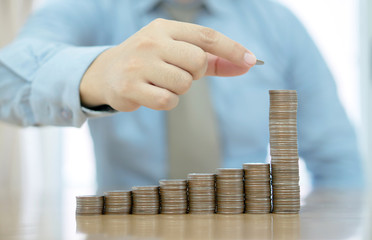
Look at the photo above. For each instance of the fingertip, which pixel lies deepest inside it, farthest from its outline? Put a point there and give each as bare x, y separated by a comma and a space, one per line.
250, 59
221, 67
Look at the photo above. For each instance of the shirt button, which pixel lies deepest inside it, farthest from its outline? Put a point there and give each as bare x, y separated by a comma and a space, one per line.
66, 114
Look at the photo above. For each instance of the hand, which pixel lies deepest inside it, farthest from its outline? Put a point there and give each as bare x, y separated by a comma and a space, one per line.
158, 63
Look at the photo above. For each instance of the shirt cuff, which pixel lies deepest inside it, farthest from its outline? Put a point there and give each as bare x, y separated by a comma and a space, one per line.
100, 111
55, 89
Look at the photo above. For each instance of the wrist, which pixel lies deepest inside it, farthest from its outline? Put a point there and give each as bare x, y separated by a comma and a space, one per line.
88, 96
91, 89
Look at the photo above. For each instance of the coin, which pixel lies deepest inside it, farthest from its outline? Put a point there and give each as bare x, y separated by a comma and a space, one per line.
257, 188
89, 205
230, 190
201, 190
173, 196
118, 202
260, 62
284, 151
145, 200
257, 184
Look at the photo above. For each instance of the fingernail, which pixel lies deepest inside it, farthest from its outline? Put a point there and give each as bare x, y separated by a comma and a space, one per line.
250, 59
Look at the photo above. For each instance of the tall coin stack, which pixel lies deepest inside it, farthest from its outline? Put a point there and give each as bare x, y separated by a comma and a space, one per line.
202, 198
145, 200
257, 185
89, 205
284, 151
173, 196
230, 192
118, 202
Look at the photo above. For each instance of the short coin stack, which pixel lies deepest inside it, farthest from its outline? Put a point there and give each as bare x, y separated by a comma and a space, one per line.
257, 185
118, 202
145, 200
284, 151
89, 205
230, 192
201, 193
173, 196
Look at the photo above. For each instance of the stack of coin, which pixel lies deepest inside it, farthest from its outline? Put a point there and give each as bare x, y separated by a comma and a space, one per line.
230, 191
284, 151
89, 205
118, 202
173, 196
257, 185
202, 198
145, 200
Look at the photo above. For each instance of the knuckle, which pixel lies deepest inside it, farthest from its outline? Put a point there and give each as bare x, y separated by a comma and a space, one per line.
158, 22
185, 84
208, 35
200, 59
164, 101
200, 63
145, 43
134, 64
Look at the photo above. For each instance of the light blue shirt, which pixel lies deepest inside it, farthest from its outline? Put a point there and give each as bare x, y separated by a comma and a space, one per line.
40, 73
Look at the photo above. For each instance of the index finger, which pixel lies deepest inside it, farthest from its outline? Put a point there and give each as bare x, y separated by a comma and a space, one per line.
212, 41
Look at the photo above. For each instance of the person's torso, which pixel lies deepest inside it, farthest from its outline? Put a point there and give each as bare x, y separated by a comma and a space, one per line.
135, 144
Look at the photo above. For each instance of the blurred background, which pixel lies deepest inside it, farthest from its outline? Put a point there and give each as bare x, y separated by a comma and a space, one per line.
55, 160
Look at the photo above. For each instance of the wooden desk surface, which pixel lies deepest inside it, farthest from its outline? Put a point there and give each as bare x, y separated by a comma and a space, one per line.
324, 215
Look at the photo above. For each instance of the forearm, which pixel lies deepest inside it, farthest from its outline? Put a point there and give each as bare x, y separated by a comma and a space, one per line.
39, 82
40, 72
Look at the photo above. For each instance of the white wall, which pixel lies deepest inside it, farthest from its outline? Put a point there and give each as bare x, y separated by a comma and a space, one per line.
333, 24
341, 29
365, 49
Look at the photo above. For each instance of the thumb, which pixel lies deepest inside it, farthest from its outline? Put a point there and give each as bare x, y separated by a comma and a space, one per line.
218, 66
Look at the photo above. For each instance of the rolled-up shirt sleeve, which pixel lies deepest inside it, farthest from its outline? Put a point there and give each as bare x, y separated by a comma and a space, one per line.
40, 72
